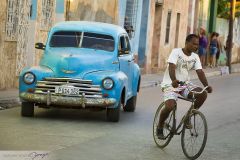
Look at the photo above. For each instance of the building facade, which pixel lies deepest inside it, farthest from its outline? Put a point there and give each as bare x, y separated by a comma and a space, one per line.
156, 27
169, 29
23, 23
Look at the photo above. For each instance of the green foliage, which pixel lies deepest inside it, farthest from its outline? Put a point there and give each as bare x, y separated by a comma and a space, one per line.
224, 9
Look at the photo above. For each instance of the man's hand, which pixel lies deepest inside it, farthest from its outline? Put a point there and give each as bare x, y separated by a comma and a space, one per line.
175, 83
209, 89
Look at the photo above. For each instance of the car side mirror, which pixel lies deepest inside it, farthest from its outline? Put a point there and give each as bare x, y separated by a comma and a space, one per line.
40, 46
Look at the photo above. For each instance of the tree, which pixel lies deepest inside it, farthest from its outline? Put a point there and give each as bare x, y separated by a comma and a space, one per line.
224, 9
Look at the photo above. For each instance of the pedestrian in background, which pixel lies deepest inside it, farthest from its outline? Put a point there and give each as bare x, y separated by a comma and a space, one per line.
219, 49
203, 43
213, 43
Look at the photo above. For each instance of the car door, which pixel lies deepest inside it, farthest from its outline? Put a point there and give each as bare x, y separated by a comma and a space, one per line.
126, 61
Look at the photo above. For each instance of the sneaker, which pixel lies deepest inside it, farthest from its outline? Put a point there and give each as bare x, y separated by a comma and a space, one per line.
188, 124
160, 134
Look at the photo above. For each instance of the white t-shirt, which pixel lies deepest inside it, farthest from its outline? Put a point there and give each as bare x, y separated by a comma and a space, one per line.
183, 64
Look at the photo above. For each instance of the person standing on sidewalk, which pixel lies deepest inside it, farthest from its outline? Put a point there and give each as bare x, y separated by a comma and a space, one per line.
203, 43
219, 49
213, 48
180, 62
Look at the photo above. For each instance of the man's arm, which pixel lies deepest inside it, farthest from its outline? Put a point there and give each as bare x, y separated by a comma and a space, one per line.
172, 68
203, 79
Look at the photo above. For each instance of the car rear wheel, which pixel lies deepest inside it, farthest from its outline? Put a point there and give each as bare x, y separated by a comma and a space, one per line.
131, 104
27, 109
113, 114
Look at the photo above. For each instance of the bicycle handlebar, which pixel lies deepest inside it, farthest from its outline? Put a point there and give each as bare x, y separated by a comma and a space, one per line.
204, 89
181, 83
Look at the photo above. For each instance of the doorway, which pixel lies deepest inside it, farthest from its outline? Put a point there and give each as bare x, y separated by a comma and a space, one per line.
156, 37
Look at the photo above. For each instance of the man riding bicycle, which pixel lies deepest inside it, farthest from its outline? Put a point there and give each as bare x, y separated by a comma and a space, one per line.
180, 62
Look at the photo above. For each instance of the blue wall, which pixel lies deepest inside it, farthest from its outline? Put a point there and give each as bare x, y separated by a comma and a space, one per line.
60, 6
122, 11
33, 10
143, 33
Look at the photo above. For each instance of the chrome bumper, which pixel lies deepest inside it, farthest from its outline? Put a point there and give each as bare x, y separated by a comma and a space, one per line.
82, 101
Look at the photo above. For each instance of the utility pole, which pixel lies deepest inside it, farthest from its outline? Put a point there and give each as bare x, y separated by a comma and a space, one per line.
229, 43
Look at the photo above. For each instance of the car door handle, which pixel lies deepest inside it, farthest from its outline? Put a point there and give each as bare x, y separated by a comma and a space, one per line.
115, 62
130, 60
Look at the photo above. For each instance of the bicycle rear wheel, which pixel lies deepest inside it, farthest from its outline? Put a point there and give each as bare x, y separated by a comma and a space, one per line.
166, 130
194, 140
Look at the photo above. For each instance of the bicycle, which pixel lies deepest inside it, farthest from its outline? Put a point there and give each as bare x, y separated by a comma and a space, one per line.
170, 128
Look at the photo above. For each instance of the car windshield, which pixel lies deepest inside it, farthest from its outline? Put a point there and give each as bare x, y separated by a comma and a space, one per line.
65, 39
98, 41
90, 40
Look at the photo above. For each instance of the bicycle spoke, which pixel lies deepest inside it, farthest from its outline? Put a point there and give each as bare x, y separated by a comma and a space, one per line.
166, 130
194, 140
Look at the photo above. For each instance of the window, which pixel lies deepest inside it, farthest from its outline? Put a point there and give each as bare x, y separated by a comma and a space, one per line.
98, 41
124, 45
65, 39
168, 27
89, 40
48, 8
177, 30
131, 17
12, 20
128, 46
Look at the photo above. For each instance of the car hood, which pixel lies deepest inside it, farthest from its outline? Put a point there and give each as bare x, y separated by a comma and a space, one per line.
78, 62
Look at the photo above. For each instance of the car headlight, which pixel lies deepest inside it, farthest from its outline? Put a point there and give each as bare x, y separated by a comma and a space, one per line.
107, 83
28, 78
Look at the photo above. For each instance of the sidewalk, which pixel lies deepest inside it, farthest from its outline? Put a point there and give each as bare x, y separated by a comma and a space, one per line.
150, 80
9, 98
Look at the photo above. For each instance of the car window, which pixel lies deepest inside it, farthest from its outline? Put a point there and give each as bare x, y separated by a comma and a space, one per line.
124, 45
121, 44
65, 39
128, 46
98, 41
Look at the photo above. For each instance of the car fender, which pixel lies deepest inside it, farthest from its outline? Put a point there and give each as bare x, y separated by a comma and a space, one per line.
40, 72
119, 78
136, 80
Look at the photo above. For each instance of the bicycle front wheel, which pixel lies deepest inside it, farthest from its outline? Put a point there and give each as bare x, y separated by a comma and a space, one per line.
166, 130
194, 140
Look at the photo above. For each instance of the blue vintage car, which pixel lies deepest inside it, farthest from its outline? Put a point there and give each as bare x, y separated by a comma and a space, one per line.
85, 65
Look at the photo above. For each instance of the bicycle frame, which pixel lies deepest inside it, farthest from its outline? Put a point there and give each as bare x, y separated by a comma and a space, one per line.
174, 130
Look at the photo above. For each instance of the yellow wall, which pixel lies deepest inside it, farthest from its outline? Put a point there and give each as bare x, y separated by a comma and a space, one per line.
8, 78
176, 7
94, 10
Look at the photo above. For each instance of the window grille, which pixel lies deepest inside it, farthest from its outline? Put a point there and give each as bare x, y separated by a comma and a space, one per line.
22, 32
12, 20
131, 17
48, 8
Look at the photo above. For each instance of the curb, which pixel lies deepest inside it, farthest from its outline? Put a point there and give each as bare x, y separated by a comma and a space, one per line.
9, 103
208, 74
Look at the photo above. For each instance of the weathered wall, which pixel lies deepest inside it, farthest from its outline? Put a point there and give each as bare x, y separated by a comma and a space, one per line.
203, 13
176, 7
150, 33
95, 10
36, 33
40, 34
7, 54
222, 29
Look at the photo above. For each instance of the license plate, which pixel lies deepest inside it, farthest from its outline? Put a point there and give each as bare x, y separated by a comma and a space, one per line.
67, 90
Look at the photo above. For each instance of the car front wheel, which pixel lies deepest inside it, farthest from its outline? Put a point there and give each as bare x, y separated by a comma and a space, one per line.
113, 114
27, 109
131, 104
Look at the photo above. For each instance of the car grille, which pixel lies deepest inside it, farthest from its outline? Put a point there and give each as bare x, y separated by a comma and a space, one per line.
85, 86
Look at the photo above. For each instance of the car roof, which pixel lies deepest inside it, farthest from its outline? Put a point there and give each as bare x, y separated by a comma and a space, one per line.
89, 26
